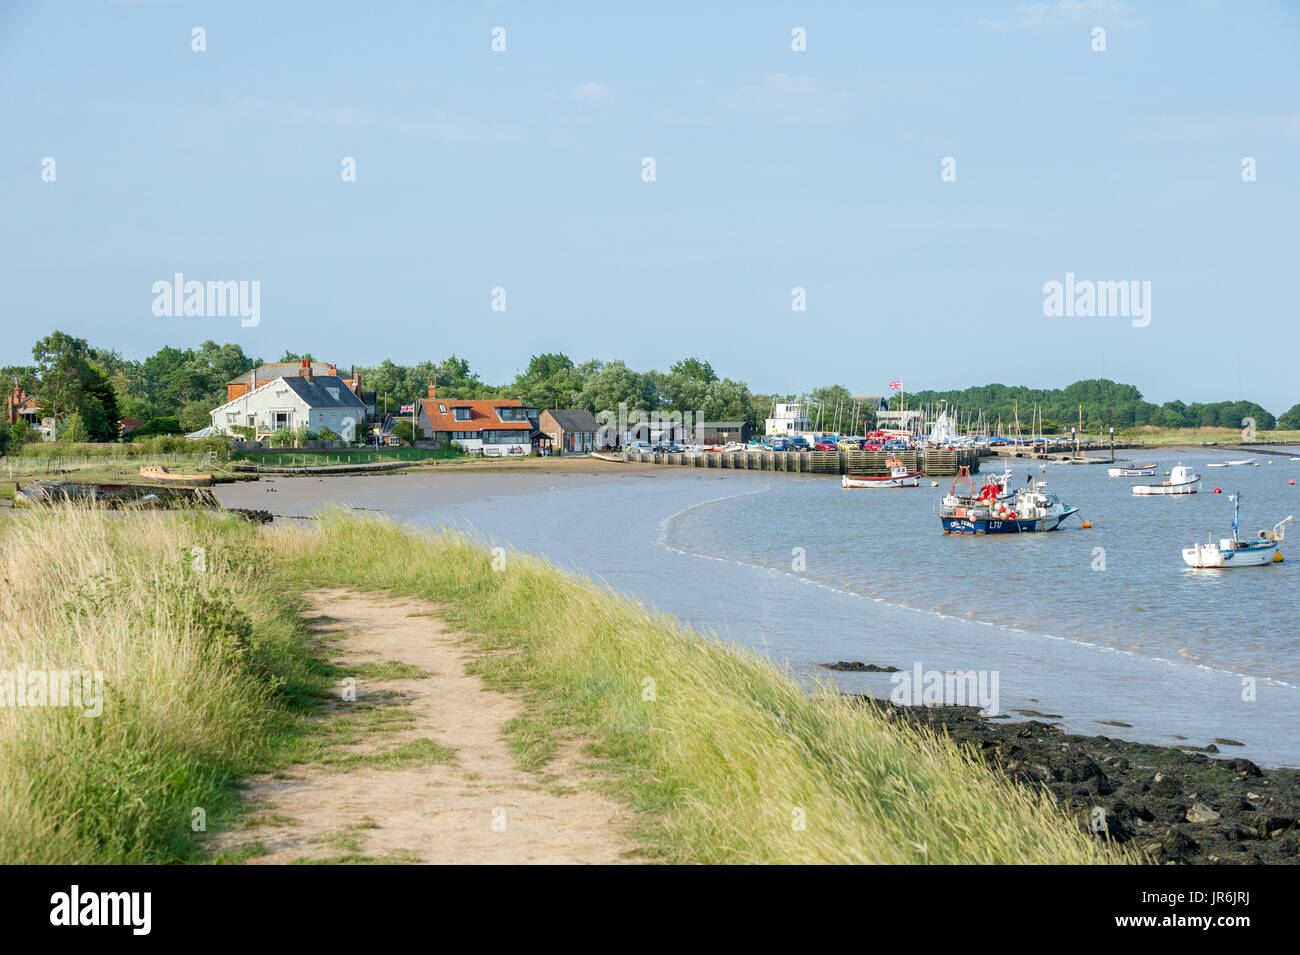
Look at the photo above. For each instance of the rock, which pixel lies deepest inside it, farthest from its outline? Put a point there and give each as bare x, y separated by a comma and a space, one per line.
1245, 768
1202, 813
1165, 785
1178, 846
1227, 742
857, 666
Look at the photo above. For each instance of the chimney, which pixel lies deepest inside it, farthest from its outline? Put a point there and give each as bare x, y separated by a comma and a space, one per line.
334, 371
433, 391
306, 369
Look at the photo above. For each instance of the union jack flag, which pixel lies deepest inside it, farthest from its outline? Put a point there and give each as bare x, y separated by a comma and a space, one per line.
408, 409
895, 385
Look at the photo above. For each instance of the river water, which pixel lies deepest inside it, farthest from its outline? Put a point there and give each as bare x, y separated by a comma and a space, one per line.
1080, 626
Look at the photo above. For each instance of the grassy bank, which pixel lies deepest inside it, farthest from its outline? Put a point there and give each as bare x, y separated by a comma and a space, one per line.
1161, 437
720, 751
203, 665
291, 458
208, 673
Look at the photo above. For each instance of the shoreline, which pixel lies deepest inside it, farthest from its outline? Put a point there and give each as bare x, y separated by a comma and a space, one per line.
1172, 806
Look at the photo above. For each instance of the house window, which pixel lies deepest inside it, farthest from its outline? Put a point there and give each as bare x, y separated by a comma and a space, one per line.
461, 414
511, 414
442, 409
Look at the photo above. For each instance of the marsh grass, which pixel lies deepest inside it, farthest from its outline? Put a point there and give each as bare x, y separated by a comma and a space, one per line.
204, 669
728, 754
212, 674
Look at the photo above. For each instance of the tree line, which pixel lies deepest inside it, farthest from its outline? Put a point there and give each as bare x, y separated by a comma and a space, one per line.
1105, 404
89, 390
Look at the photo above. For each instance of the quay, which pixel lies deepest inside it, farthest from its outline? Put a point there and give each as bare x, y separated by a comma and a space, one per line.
932, 462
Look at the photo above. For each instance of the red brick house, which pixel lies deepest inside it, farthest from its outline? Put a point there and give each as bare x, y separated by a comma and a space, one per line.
571, 432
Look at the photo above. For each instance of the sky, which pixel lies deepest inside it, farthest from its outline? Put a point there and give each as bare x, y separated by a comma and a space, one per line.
524, 169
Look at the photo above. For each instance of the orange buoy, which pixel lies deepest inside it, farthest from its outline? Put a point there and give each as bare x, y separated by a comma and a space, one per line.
1087, 524
1292, 481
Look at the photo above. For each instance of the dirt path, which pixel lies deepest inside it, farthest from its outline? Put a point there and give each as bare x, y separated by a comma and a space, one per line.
418, 770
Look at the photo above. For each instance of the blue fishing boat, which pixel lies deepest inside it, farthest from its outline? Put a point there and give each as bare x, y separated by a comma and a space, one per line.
1033, 508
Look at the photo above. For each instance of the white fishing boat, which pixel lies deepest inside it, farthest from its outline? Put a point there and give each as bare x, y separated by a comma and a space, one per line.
1241, 462
1182, 480
1134, 470
899, 476
1235, 552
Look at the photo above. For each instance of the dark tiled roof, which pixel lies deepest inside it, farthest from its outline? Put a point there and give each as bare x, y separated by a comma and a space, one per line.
324, 392
579, 420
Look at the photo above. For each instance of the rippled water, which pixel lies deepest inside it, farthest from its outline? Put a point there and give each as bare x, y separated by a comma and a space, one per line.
1122, 584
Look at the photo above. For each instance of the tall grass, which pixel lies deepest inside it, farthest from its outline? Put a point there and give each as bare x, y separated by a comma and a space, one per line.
200, 652
727, 758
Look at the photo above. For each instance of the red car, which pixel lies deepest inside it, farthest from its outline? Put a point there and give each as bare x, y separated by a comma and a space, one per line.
825, 446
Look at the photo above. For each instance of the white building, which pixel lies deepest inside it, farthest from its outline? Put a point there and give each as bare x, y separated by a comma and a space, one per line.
295, 403
788, 420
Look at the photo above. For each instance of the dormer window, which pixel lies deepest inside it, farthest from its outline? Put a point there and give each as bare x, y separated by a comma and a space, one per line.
511, 414
461, 414
334, 393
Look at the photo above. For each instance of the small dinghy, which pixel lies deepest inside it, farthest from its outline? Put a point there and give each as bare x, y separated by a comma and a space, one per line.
898, 476
1135, 470
1235, 552
1182, 480
1241, 462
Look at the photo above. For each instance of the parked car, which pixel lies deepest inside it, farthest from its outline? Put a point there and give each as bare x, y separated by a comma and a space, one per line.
894, 445
640, 447
849, 444
799, 443
669, 447
826, 445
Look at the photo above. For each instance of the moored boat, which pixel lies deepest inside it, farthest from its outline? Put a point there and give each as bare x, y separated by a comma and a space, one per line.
898, 476
1233, 551
1032, 508
1135, 470
1182, 480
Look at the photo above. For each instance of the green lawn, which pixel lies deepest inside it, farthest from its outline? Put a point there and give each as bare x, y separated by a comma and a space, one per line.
300, 458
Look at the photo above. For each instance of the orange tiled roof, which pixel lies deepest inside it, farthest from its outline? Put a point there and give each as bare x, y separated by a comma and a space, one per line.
482, 414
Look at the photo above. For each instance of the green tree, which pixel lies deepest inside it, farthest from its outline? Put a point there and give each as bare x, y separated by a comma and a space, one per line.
550, 381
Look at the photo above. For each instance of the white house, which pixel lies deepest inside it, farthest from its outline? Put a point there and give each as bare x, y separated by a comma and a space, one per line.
295, 403
789, 419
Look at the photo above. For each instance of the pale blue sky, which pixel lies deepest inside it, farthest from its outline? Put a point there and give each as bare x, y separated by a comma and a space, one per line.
775, 169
